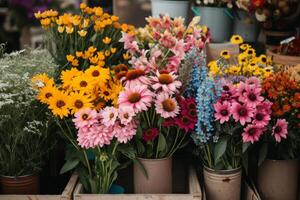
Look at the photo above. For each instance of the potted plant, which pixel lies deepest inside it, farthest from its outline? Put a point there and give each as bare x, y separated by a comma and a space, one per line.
83, 94
245, 23
25, 140
217, 16
280, 148
152, 90
174, 8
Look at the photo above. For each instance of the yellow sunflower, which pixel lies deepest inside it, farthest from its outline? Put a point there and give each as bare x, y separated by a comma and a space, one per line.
98, 73
78, 101
263, 59
244, 47
234, 70
236, 39
46, 93
106, 93
213, 68
250, 52
267, 71
59, 104
225, 54
83, 83
40, 80
116, 88
67, 76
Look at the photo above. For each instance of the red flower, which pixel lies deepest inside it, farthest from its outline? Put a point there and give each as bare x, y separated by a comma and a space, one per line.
258, 3
150, 134
185, 123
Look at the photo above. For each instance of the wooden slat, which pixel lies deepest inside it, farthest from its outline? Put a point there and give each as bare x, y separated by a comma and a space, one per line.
194, 189
66, 195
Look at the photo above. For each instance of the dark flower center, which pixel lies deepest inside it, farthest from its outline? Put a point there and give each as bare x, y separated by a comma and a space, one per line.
48, 95
185, 120
165, 79
226, 88
95, 73
192, 106
259, 116
106, 93
224, 112
193, 113
252, 97
85, 116
251, 131
250, 52
277, 129
134, 74
168, 105
134, 97
243, 112
60, 103
83, 84
78, 104
264, 59
111, 115
126, 115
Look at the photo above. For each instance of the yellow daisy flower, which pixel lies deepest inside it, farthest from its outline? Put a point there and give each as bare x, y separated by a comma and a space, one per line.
107, 53
106, 93
83, 83
225, 54
40, 80
113, 50
126, 56
235, 70
262, 59
79, 54
82, 33
236, 39
78, 101
98, 73
250, 52
106, 40
59, 104
244, 47
70, 58
46, 93
69, 30
67, 76
61, 29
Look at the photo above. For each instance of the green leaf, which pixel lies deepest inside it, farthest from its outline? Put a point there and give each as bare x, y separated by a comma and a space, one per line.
69, 165
220, 149
246, 146
162, 144
127, 151
160, 120
263, 152
140, 147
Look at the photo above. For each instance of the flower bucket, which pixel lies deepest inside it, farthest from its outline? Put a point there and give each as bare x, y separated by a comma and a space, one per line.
159, 173
246, 26
218, 20
278, 179
29, 184
223, 184
173, 8
283, 60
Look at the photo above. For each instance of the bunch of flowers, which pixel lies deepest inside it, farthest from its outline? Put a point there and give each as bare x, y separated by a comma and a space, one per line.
163, 43
245, 64
154, 99
284, 93
215, 3
71, 34
241, 115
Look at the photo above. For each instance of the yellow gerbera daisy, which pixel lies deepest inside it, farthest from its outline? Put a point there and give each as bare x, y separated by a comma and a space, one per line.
78, 101
59, 104
46, 93
225, 54
236, 39
68, 75
40, 80
83, 83
98, 73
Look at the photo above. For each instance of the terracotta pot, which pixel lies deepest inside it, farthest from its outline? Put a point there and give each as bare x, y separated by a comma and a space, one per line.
29, 184
283, 59
223, 184
159, 176
278, 179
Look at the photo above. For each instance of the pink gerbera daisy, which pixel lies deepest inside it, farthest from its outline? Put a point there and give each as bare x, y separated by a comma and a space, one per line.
251, 96
165, 82
135, 77
109, 116
261, 119
222, 111
139, 98
166, 106
253, 81
85, 117
241, 113
280, 130
251, 133
126, 114
264, 107
124, 133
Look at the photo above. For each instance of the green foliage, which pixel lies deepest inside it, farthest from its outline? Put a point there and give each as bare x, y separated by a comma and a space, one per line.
25, 139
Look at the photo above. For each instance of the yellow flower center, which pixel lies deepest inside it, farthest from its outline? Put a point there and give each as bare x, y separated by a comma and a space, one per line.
165, 79
134, 97
169, 105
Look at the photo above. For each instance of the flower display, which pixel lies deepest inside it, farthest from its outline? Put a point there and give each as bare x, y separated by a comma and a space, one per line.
163, 43
215, 3
90, 105
245, 64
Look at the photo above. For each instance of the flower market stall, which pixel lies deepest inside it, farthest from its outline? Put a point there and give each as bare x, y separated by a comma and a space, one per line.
184, 107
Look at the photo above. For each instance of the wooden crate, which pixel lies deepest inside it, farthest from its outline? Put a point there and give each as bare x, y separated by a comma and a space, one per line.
66, 194
193, 193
